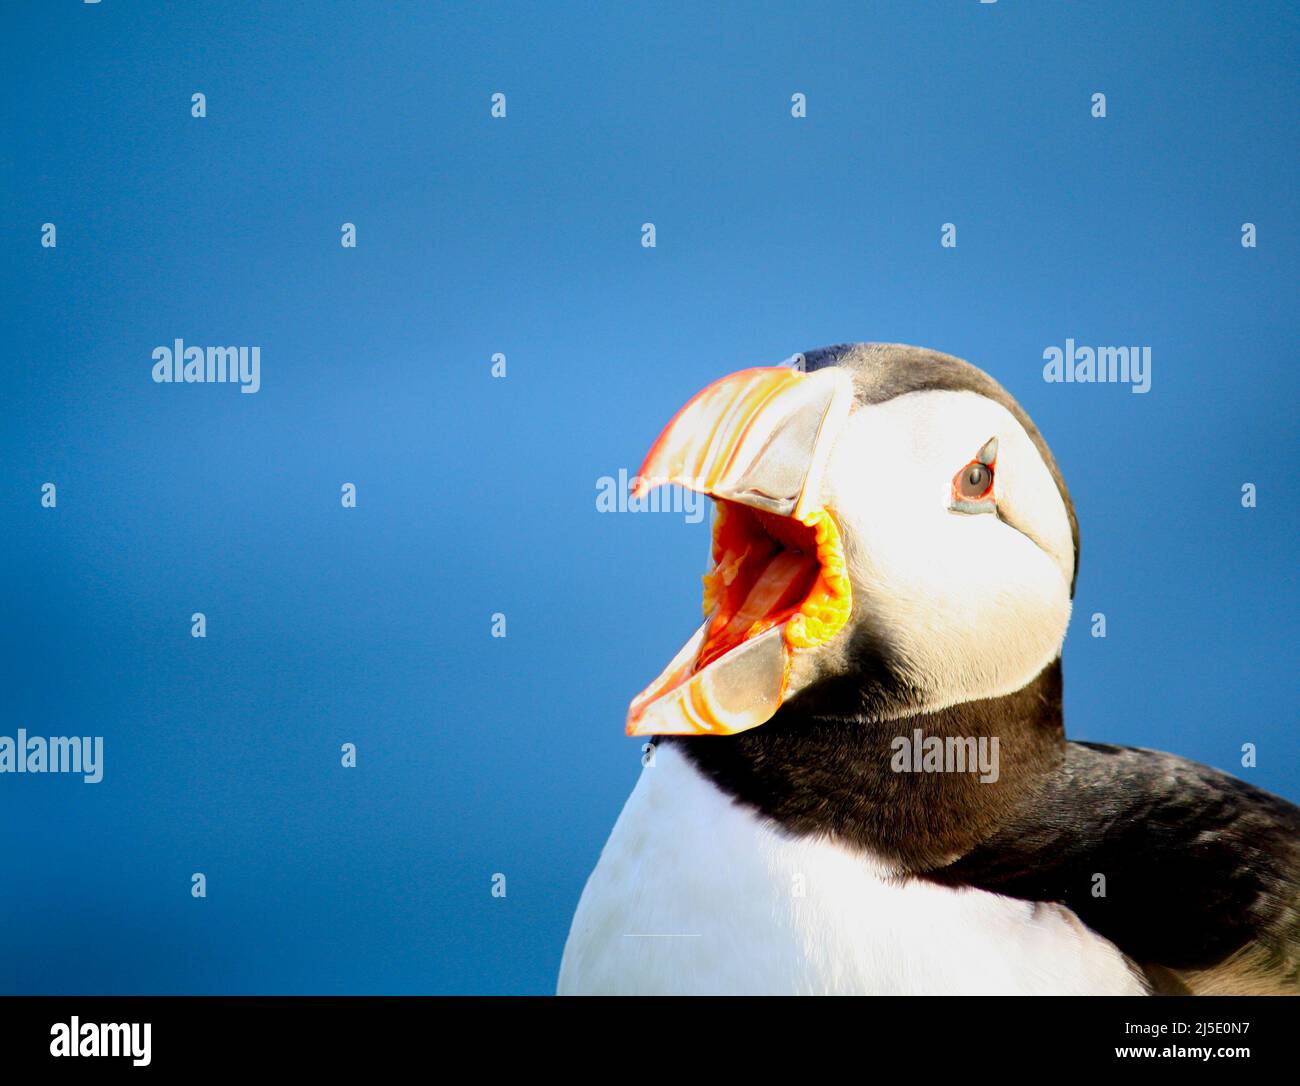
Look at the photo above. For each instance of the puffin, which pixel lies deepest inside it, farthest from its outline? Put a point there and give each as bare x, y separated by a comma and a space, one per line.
856, 778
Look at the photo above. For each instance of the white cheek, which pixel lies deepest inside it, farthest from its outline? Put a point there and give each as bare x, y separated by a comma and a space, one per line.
968, 606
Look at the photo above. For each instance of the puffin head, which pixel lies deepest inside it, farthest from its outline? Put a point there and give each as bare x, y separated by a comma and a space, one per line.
891, 535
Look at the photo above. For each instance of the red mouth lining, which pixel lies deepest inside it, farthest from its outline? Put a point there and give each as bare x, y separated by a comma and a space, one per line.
765, 567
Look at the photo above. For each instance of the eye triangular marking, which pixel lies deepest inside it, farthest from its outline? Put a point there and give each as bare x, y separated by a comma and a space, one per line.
988, 455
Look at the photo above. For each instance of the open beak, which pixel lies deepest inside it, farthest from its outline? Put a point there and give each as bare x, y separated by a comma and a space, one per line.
757, 443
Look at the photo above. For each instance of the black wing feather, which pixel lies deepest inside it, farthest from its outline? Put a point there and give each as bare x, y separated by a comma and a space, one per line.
1201, 871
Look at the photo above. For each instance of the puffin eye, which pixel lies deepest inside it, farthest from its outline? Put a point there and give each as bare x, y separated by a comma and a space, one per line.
973, 482
972, 487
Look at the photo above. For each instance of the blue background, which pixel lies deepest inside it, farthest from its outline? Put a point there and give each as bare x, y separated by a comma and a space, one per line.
325, 625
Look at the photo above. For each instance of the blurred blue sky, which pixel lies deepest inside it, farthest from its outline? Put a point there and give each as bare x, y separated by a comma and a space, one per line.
476, 495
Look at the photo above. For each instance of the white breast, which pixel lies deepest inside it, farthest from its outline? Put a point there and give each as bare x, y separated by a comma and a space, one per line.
695, 894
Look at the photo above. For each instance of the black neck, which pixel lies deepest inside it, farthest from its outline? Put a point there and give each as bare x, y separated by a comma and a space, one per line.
829, 774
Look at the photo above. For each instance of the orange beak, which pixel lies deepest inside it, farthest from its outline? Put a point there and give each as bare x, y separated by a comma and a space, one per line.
757, 442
